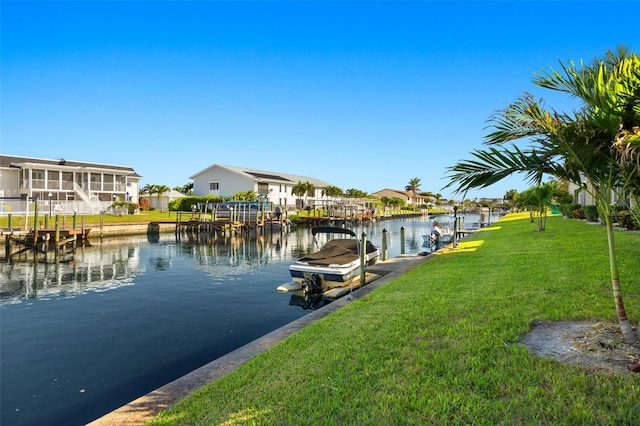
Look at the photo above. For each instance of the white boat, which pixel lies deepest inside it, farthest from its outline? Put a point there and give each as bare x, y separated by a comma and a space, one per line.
432, 243
335, 266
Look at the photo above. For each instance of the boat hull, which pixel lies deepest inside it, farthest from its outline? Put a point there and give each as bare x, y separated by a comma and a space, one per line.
332, 275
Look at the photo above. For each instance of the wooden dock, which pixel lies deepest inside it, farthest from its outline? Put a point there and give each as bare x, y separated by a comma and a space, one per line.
30, 245
394, 264
225, 226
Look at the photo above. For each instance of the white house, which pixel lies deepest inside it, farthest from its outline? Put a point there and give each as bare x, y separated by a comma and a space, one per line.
580, 196
276, 187
161, 201
64, 185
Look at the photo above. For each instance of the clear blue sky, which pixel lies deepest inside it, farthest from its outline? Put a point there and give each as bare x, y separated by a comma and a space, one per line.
364, 95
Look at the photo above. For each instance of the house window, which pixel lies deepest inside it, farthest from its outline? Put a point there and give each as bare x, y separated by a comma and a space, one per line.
263, 188
214, 186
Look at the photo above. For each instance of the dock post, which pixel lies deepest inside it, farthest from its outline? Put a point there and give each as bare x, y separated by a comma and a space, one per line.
46, 221
9, 222
384, 244
75, 219
101, 224
56, 239
35, 232
363, 253
402, 240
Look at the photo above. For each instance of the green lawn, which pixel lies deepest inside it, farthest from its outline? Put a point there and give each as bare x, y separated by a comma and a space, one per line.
435, 345
17, 221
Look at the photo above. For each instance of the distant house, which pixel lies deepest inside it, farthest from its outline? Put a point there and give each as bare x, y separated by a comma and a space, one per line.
275, 187
64, 185
581, 197
408, 197
161, 201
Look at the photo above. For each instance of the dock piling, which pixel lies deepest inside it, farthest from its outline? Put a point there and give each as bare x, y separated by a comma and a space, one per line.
384, 244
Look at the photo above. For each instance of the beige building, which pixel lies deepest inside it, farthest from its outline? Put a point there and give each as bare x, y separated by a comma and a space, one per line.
409, 198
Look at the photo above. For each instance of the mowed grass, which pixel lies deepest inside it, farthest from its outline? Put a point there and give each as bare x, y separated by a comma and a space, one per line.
18, 221
436, 346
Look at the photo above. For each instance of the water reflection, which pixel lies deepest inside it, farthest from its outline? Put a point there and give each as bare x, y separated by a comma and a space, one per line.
93, 269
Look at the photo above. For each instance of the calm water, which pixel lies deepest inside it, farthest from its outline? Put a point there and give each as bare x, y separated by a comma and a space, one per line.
79, 340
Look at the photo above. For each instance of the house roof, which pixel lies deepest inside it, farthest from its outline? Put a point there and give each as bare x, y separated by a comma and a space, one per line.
267, 176
399, 192
8, 161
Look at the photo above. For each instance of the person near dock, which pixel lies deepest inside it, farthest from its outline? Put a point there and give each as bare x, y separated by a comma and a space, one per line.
436, 233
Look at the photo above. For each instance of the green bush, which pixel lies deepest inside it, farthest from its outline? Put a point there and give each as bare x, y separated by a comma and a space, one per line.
294, 218
627, 220
184, 204
567, 209
591, 213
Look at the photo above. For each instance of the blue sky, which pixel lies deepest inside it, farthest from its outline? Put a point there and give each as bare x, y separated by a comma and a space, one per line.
364, 95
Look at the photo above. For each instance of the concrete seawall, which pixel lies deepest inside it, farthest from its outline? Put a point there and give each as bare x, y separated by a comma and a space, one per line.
131, 228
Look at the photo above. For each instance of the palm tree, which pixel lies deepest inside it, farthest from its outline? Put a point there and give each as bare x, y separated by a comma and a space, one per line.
332, 191
355, 193
579, 147
413, 186
146, 189
299, 189
160, 190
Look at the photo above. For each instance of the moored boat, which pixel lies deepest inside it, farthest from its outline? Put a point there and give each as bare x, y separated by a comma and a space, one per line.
336, 265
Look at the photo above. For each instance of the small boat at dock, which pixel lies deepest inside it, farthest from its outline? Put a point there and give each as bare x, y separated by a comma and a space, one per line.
333, 269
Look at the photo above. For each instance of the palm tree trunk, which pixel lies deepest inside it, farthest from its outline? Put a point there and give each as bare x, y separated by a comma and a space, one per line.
625, 325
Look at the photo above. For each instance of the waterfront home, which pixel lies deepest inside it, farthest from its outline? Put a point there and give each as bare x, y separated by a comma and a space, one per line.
275, 187
161, 201
409, 198
64, 186
583, 198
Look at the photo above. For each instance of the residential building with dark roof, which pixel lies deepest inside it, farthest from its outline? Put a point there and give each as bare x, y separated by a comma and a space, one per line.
67, 185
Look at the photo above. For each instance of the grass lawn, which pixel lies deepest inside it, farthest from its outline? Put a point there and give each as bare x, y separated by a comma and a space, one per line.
17, 221
435, 345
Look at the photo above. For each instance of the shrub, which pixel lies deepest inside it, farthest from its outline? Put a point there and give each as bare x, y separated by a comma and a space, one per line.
144, 205
578, 213
567, 209
294, 218
591, 213
627, 220
184, 204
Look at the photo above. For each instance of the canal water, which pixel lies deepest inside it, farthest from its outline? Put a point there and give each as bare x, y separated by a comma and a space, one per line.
80, 339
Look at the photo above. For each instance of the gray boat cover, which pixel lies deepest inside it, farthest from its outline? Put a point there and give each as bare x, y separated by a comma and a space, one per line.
338, 251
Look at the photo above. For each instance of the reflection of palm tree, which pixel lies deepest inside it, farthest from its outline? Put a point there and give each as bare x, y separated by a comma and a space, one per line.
578, 147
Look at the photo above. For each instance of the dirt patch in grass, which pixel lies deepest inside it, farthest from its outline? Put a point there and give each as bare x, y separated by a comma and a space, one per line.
591, 345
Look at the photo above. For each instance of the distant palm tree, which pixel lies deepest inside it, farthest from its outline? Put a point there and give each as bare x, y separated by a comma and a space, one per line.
299, 189
146, 189
332, 191
413, 186
160, 190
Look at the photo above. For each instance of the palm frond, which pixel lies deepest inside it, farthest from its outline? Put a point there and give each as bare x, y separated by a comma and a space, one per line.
490, 166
